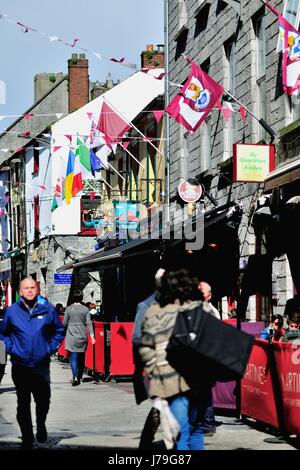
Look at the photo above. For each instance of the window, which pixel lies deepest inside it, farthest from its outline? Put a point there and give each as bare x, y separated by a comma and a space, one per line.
36, 160
92, 216
36, 217
230, 47
260, 49
183, 18
205, 145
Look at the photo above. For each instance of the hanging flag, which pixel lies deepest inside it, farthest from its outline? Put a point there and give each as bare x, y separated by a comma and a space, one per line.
69, 137
8, 298
195, 100
158, 115
57, 198
111, 124
118, 60
227, 110
95, 162
84, 157
92, 195
243, 113
77, 180
96, 137
28, 116
56, 147
290, 54
69, 177
89, 115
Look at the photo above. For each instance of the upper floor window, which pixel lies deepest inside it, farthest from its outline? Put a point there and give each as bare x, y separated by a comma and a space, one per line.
183, 17
36, 160
260, 52
230, 129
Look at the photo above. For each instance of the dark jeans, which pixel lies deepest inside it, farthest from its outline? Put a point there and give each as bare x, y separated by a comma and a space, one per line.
208, 423
77, 364
35, 381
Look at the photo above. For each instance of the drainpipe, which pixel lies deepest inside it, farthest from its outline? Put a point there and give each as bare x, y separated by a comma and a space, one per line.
166, 116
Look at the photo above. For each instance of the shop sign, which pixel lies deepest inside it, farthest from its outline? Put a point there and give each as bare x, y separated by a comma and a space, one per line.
5, 265
62, 278
252, 162
189, 192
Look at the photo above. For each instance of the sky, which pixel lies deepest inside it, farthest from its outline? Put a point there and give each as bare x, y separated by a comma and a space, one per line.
113, 28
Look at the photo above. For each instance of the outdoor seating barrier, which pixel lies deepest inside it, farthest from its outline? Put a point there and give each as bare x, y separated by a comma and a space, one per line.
121, 359
224, 393
99, 362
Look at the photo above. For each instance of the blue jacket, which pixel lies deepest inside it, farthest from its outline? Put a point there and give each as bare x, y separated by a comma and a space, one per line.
31, 338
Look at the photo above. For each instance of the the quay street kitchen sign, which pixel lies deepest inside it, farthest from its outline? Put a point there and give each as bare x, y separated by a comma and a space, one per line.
252, 163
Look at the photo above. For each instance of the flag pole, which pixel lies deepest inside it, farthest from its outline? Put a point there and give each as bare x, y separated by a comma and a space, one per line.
261, 121
132, 125
106, 182
116, 171
123, 147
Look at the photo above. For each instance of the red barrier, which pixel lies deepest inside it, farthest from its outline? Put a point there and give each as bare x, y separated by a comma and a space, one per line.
257, 392
61, 350
89, 355
121, 349
99, 347
223, 396
287, 356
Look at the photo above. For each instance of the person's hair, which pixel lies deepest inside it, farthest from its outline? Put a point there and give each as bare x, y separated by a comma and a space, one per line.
88, 304
58, 306
77, 296
178, 285
294, 317
27, 278
277, 317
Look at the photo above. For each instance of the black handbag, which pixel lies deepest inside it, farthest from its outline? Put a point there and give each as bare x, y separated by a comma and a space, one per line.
203, 346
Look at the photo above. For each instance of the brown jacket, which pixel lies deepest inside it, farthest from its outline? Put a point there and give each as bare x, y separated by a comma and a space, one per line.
157, 328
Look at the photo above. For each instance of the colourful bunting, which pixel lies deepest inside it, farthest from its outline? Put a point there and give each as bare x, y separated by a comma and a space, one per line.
158, 115
28, 116
118, 60
92, 195
243, 113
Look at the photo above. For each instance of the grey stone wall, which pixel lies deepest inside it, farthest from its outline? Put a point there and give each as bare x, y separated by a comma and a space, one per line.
208, 44
50, 255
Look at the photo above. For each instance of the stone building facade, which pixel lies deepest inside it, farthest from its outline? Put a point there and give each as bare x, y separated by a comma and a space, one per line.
237, 48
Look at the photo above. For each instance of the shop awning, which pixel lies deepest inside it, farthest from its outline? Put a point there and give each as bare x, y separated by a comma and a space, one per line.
142, 246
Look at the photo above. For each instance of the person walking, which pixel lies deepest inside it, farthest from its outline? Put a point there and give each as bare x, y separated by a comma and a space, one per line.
32, 332
77, 319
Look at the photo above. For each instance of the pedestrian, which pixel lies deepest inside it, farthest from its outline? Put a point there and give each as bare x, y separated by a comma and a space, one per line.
60, 309
77, 319
2, 345
176, 290
32, 332
275, 330
206, 292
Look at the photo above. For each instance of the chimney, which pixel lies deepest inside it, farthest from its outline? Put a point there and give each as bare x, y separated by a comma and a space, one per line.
151, 58
78, 81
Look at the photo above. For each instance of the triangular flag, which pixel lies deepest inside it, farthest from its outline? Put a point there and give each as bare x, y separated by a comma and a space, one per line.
227, 110
111, 124
126, 143
77, 180
89, 115
56, 147
25, 134
69, 137
53, 38
92, 195
96, 54
59, 115
57, 198
158, 115
28, 116
118, 60
243, 113
42, 187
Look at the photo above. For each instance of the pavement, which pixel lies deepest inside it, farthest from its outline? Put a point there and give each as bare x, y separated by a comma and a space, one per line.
103, 415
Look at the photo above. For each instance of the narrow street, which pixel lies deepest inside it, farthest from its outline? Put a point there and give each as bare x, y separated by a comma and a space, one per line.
105, 416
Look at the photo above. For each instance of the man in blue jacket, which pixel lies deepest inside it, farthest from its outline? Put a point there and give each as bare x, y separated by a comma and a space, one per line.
32, 331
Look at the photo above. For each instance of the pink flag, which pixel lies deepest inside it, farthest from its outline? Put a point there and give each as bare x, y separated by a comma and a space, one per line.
92, 195
243, 113
26, 28
118, 60
90, 115
126, 143
227, 110
111, 124
25, 134
195, 100
42, 187
19, 149
290, 54
69, 136
57, 147
158, 115
28, 116
74, 42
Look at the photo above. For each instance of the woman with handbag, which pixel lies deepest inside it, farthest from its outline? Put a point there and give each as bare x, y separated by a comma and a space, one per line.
175, 290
